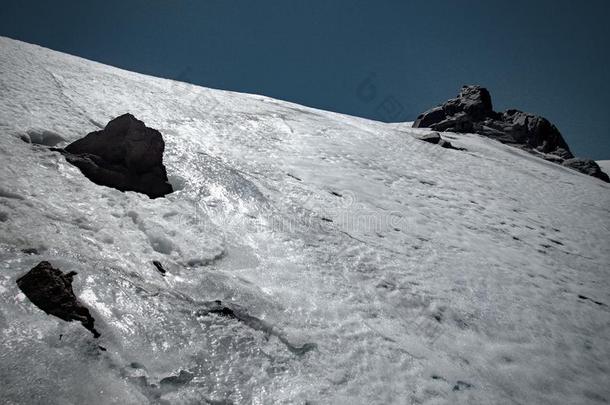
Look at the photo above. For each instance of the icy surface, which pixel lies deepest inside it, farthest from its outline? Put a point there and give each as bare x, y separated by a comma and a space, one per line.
421, 274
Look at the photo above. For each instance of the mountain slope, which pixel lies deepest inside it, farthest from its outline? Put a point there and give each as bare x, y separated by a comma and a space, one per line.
421, 274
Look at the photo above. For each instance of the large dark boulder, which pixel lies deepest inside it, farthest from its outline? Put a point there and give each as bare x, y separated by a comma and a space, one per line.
472, 112
51, 290
521, 128
126, 155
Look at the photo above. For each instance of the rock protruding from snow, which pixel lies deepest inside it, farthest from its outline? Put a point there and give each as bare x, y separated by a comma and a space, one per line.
435, 139
459, 114
472, 111
126, 155
587, 166
234, 311
51, 290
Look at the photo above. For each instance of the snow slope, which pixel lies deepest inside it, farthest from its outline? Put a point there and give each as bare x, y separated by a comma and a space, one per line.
422, 275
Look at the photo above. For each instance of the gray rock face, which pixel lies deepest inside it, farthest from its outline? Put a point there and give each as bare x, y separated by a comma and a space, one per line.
587, 166
473, 104
126, 155
472, 112
532, 131
51, 290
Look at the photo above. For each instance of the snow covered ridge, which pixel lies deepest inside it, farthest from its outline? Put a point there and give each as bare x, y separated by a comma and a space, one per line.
410, 272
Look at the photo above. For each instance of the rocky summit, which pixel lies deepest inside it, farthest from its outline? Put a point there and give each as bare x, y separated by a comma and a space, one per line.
472, 112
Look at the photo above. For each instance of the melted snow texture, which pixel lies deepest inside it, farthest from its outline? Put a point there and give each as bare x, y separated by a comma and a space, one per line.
423, 275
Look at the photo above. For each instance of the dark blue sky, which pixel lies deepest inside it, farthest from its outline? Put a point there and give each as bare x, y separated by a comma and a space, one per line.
549, 57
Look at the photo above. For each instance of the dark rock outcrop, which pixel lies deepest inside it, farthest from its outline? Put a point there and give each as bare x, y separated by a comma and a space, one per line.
472, 112
587, 166
126, 155
51, 290
435, 139
531, 131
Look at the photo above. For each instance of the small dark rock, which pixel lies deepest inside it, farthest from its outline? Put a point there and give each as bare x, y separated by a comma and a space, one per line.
447, 145
583, 297
461, 385
51, 290
126, 155
159, 267
217, 307
587, 166
294, 177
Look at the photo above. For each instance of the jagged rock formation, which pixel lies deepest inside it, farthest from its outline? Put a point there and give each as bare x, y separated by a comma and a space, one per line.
586, 166
472, 111
126, 155
51, 290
